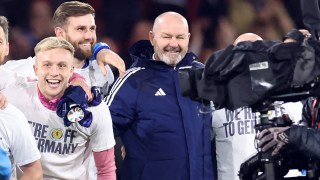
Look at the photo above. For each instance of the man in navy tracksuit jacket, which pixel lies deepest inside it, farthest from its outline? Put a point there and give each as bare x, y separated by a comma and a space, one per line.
164, 134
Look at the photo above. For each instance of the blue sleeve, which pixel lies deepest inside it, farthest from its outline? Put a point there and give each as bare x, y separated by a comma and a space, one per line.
5, 165
122, 102
97, 47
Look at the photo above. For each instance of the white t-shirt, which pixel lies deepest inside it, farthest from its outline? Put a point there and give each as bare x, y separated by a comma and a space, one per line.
16, 137
91, 73
235, 134
8, 77
63, 149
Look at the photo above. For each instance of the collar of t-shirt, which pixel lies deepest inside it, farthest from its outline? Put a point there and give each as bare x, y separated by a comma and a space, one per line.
50, 104
86, 64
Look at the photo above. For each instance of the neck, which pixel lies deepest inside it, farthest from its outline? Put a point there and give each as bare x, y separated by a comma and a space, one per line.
78, 63
48, 103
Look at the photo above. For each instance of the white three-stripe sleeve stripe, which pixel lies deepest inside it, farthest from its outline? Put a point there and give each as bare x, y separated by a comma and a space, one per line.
116, 84
119, 83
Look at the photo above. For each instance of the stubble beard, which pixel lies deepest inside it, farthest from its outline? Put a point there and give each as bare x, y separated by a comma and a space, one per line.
169, 60
80, 54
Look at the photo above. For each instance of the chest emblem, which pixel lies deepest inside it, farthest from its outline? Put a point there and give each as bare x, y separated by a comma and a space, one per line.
160, 92
56, 134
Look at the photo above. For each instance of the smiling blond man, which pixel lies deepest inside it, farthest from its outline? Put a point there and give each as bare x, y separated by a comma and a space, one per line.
63, 147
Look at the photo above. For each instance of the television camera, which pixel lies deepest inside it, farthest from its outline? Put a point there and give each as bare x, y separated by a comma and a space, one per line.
257, 74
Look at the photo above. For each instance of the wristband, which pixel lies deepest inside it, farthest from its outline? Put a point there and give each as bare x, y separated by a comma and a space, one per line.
97, 47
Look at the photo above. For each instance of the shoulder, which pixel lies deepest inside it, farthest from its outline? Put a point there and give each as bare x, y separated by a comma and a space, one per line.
12, 111
21, 92
22, 84
12, 115
18, 64
132, 74
100, 111
133, 70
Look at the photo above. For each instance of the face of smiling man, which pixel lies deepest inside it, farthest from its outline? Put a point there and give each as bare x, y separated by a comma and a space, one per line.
80, 31
170, 38
53, 68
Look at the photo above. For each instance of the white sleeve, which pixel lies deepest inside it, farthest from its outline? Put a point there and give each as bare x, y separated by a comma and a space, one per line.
102, 136
22, 143
23, 67
294, 110
6, 77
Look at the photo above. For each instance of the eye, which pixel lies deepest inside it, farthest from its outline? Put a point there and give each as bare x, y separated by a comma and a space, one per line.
62, 65
81, 29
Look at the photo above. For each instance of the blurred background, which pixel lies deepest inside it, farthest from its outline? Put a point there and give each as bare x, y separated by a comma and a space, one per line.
213, 24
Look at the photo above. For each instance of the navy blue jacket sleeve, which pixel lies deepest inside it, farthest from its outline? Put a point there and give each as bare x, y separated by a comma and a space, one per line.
306, 140
122, 103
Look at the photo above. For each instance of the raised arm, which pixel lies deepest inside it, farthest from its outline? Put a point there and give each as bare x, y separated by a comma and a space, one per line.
105, 56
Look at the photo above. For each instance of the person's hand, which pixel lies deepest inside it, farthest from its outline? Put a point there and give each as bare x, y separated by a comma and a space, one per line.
3, 101
123, 152
275, 137
81, 82
295, 35
106, 56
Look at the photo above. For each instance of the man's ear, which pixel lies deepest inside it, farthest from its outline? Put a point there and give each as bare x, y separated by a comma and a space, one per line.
35, 69
59, 32
7, 50
151, 37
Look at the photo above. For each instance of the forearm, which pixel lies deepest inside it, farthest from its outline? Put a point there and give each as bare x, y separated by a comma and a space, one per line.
307, 112
105, 163
32, 171
306, 140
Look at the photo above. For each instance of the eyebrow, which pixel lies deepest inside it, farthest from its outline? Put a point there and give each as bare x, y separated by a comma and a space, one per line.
81, 26
167, 34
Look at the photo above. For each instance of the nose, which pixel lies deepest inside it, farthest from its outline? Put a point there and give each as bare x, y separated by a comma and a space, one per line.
173, 42
89, 35
54, 71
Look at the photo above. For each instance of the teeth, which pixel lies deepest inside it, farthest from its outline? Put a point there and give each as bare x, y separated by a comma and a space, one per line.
85, 44
53, 81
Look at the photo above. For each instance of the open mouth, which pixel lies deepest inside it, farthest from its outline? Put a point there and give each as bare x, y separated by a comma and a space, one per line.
85, 45
53, 82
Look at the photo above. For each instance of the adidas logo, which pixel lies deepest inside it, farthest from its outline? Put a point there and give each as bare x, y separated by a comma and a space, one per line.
160, 92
